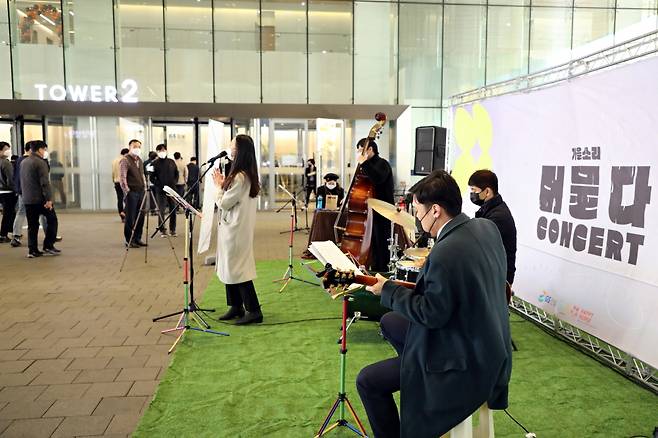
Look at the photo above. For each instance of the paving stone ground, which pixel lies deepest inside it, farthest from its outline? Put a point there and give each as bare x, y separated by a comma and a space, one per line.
79, 353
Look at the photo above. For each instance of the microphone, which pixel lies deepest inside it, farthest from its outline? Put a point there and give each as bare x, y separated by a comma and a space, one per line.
222, 154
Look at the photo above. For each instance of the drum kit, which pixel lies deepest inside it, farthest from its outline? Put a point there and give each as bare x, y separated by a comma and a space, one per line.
408, 266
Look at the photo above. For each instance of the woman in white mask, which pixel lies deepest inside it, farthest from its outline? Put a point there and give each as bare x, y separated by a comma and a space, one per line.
331, 187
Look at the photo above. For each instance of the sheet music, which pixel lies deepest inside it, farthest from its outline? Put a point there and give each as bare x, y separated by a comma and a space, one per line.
328, 252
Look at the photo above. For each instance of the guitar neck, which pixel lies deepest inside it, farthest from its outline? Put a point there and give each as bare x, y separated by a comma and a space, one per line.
368, 280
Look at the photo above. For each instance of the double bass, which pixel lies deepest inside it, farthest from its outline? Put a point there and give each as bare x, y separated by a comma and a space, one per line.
353, 226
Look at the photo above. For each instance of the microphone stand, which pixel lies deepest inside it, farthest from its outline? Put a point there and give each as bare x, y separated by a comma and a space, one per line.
193, 307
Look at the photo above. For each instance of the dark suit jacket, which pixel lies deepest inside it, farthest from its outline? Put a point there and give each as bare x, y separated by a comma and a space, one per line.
496, 210
457, 353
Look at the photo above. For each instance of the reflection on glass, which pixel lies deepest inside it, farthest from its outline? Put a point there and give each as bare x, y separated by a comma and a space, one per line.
420, 54
141, 47
5, 56
375, 52
237, 61
37, 52
634, 22
189, 51
550, 39
593, 24
89, 43
283, 42
330, 51
507, 43
464, 47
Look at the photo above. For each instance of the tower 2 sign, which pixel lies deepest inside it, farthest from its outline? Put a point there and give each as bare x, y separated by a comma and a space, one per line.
89, 93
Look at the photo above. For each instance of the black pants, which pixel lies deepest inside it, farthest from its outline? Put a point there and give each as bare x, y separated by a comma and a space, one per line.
166, 201
193, 196
379, 253
8, 201
133, 202
243, 294
33, 211
378, 382
309, 190
119, 192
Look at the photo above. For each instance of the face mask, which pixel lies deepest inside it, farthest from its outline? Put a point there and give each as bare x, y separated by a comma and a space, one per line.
45, 155
162, 155
7, 153
422, 230
475, 198
331, 185
136, 152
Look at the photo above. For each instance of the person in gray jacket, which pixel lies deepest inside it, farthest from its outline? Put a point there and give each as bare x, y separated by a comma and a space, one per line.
37, 197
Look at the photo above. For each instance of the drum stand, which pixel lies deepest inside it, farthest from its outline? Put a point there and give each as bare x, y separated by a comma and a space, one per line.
392, 249
342, 399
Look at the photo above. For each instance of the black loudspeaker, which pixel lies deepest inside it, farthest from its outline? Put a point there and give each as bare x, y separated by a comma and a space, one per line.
430, 149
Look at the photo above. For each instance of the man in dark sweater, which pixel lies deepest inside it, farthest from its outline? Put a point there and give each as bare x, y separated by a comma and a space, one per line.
166, 174
484, 193
7, 192
380, 173
131, 179
192, 177
37, 197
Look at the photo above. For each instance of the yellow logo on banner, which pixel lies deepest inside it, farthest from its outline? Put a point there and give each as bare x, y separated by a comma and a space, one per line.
471, 129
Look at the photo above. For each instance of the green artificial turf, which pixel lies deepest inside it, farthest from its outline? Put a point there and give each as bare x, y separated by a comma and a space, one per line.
280, 378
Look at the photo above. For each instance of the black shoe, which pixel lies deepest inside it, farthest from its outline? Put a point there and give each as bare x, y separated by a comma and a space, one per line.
4, 239
15, 243
34, 254
140, 243
58, 238
51, 251
250, 318
233, 312
173, 234
132, 245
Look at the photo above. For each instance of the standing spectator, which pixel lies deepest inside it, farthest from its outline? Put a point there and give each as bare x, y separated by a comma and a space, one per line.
7, 192
131, 178
19, 220
192, 178
57, 176
37, 197
117, 183
182, 173
310, 179
150, 179
166, 174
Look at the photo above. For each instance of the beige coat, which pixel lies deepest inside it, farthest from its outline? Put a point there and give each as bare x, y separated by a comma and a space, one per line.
235, 232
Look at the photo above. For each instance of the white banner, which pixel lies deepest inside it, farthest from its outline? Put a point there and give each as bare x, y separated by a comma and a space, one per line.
576, 164
215, 145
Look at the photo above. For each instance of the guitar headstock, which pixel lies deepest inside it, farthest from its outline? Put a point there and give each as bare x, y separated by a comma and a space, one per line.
332, 277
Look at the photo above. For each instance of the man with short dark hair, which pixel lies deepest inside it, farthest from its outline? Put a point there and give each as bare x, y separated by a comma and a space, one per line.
192, 177
484, 193
380, 173
7, 192
117, 183
37, 198
453, 327
131, 178
165, 173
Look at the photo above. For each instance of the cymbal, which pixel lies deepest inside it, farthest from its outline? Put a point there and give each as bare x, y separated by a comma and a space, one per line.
392, 213
417, 253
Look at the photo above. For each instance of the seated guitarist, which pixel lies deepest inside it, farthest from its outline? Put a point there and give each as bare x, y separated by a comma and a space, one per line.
453, 328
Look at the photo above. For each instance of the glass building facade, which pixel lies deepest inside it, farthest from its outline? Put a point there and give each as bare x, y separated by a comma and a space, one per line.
279, 52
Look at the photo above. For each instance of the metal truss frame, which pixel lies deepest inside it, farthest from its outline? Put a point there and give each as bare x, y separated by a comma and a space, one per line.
622, 362
630, 50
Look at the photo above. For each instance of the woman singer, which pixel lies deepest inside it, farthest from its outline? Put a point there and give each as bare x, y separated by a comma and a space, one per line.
236, 200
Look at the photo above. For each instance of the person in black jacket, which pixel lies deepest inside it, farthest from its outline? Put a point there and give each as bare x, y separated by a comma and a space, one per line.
165, 174
310, 181
192, 177
7, 192
451, 332
484, 193
330, 187
380, 173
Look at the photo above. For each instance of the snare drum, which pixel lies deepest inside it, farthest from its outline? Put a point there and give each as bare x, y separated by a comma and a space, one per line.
407, 270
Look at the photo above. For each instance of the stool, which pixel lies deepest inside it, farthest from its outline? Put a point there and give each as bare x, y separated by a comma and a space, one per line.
485, 428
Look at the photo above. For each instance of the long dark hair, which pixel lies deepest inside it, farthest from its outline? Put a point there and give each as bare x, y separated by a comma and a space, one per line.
245, 161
